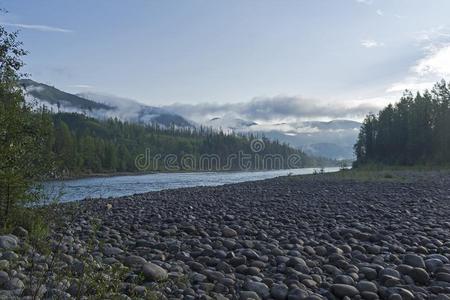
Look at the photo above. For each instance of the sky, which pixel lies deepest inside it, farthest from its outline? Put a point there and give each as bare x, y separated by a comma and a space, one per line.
346, 54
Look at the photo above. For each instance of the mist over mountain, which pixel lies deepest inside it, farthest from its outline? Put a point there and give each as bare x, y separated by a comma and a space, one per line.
331, 139
101, 106
56, 99
133, 111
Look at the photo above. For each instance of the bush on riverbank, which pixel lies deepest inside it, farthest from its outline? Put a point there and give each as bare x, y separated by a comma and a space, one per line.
24, 137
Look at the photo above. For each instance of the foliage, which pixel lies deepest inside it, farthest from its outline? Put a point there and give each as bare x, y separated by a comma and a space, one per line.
85, 145
412, 132
24, 138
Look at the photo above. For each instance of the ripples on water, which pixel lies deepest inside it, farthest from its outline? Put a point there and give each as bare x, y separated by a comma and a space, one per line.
117, 186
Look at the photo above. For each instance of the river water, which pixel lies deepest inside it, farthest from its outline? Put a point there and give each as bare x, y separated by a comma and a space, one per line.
116, 186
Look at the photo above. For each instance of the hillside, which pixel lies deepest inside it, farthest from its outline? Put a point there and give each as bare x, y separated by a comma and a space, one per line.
58, 99
84, 145
99, 106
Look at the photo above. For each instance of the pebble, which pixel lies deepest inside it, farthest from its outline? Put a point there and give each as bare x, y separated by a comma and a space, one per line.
154, 272
344, 290
8, 242
284, 238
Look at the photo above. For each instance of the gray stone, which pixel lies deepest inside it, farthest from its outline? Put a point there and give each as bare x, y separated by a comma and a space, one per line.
441, 257
369, 295
342, 290
134, 261
258, 287
366, 286
248, 295
112, 251
4, 278
140, 291
10, 256
279, 291
8, 242
14, 284
419, 275
229, 232
389, 271
404, 293
295, 261
443, 277
414, 260
389, 281
344, 279
296, 294
214, 275
369, 273
4, 264
433, 264
395, 297
154, 272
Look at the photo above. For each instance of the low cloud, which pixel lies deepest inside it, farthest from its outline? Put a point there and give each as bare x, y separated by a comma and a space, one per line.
411, 85
368, 2
81, 86
433, 66
277, 108
369, 43
44, 28
437, 63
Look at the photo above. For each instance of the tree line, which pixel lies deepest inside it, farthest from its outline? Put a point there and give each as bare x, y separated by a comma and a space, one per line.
416, 130
83, 145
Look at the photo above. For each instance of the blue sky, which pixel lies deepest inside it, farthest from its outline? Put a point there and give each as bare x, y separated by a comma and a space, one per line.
344, 53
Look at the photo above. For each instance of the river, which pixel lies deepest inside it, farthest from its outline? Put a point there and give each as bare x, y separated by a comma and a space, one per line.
116, 186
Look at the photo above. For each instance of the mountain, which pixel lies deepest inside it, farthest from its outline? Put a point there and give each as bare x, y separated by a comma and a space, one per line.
133, 111
333, 139
100, 106
55, 98
229, 124
329, 150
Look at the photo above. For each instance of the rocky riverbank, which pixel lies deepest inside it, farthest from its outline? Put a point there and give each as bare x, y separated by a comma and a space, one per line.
313, 237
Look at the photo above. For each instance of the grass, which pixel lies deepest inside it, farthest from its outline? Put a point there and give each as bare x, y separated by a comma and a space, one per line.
378, 173
368, 175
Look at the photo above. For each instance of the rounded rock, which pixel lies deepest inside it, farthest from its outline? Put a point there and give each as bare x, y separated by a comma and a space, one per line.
414, 260
420, 276
366, 286
154, 272
342, 290
279, 291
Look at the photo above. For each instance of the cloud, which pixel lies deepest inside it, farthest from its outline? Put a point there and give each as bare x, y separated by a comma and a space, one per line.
399, 16
432, 36
411, 85
369, 43
279, 108
434, 64
81, 86
368, 2
44, 28
380, 12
